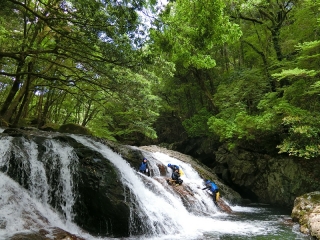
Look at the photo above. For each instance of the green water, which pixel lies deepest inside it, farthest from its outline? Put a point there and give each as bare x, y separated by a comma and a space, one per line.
272, 224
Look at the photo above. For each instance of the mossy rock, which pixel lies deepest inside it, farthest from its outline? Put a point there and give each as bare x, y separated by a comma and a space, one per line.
51, 127
74, 128
303, 206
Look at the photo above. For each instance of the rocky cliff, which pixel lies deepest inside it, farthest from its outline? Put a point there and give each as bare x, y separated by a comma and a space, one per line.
268, 179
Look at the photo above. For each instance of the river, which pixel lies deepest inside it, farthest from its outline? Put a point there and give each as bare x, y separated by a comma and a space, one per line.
166, 216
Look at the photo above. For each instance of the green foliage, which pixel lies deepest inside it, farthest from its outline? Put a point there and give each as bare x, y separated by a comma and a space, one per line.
242, 92
192, 29
249, 113
197, 126
294, 74
84, 67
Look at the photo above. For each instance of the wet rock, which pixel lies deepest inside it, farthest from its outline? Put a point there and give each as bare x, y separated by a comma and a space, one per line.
101, 205
205, 172
3, 223
56, 234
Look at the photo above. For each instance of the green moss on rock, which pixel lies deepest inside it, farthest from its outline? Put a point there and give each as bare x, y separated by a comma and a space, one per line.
75, 129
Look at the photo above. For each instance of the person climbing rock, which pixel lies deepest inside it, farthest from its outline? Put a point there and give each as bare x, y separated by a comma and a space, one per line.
173, 167
176, 177
144, 167
214, 190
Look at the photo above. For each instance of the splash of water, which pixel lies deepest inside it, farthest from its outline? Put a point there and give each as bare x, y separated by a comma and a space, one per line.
32, 170
164, 213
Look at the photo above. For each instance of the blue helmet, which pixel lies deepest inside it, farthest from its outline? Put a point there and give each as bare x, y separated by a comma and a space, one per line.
169, 165
207, 181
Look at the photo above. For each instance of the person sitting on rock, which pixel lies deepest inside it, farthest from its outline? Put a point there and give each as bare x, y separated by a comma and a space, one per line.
176, 177
173, 167
144, 168
214, 190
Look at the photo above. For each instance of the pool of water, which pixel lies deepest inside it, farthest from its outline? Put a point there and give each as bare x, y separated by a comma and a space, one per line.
270, 223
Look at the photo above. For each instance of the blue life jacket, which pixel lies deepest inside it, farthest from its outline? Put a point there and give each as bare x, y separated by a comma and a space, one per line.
143, 166
214, 187
174, 167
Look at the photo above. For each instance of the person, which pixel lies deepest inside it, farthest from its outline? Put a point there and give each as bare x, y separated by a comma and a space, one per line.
144, 168
214, 189
176, 177
173, 167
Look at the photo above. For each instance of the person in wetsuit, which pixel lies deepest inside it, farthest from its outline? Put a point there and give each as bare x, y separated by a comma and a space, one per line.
176, 177
144, 168
214, 190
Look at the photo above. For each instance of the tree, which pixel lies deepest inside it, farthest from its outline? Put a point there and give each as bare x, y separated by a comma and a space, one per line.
189, 34
68, 59
284, 118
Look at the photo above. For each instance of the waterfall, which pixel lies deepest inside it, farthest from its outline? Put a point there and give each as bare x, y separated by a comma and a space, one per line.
163, 213
31, 168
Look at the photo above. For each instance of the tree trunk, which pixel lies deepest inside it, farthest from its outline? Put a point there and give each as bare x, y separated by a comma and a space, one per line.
5, 112
26, 95
275, 32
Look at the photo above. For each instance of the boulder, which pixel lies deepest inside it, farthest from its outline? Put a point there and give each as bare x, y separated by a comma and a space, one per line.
306, 211
74, 128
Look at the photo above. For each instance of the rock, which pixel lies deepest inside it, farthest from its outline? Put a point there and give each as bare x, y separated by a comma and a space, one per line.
223, 206
3, 223
100, 205
306, 211
275, 180
57, 233
74, 128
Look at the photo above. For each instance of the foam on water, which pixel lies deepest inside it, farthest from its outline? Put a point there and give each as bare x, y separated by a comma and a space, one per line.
163, 208
165, 213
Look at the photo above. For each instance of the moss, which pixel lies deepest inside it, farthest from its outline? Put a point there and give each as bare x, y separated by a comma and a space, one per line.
313, 197
74, 128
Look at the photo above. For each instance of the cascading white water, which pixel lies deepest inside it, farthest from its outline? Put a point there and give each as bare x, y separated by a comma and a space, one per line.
62, 157
20, 210
33, 172
165, 213
37, 179
164, 210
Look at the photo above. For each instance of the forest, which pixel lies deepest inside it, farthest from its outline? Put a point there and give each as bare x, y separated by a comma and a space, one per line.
245, 73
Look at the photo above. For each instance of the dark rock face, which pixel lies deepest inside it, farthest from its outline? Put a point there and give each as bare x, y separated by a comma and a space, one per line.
100, 207
276, 180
